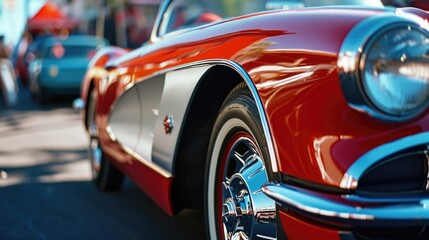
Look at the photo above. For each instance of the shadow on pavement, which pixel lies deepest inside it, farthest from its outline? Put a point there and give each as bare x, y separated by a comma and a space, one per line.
46, 190
76, 210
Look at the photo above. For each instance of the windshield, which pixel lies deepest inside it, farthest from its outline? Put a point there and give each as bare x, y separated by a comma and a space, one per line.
185, 13
59, 51
291, 4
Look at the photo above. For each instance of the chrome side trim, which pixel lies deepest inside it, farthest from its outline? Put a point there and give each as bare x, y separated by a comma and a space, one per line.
427, 162
155, 36
163, 159
148, 163
351, 210
261, 110
256, 97
356, 170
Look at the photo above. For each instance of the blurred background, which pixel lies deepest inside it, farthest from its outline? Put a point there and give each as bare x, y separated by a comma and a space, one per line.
45, 178
32, 57
108, 18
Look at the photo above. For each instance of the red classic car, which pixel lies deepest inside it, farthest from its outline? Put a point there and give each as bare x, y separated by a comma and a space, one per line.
280, 119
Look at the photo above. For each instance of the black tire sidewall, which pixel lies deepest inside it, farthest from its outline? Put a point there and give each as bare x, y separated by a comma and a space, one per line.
239, 105
108, 177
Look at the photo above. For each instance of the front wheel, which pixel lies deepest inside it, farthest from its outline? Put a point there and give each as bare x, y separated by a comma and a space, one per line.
104, 174
238, 166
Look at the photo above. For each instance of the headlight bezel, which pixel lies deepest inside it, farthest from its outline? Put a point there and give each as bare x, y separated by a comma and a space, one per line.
352, 61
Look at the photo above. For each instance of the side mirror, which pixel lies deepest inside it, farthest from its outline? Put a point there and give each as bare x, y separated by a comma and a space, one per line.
78, 104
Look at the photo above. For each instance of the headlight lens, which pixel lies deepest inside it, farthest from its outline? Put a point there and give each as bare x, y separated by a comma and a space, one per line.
395, 73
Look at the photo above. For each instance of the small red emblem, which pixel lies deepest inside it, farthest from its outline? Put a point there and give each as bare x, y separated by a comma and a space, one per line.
168, 124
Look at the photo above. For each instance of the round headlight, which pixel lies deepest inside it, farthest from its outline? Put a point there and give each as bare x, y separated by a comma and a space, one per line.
395, 71
384, 66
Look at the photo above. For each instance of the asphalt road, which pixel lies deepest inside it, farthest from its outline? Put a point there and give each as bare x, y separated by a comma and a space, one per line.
46, 191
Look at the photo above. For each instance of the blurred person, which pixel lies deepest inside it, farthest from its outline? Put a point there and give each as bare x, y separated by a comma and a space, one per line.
18, 57
4, 53
8, 84
137, 27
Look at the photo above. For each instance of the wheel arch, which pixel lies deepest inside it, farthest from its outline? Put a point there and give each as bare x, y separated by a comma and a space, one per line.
207, 99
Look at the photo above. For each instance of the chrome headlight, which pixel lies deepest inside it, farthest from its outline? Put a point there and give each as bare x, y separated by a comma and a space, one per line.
396, 71
389, 68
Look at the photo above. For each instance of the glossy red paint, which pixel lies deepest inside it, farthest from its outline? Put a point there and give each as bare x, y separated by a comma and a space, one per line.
293, 64
154, 184
299, 230
318, 136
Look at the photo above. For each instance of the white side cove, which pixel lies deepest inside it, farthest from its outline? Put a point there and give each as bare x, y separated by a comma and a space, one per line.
137, 119
126, 118
150, 93
178, 89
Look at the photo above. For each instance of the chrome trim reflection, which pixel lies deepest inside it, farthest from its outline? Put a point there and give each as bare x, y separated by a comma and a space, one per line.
149, 164
427, 167
163, 166
351, 210
261, 110
155, 35
254, 91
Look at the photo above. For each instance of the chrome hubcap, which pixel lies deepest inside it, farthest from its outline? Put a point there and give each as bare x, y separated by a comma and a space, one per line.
95, 155
247, 213
95, 152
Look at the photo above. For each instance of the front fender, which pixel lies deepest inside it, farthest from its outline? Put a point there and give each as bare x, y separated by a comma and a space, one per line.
97, 71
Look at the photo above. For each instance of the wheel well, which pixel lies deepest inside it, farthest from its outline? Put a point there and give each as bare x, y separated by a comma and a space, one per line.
90, 88
188, 183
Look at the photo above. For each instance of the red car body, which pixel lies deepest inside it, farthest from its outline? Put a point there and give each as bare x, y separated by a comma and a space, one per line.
321, 145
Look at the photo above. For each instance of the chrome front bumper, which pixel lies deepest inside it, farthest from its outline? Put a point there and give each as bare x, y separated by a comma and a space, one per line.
351, 211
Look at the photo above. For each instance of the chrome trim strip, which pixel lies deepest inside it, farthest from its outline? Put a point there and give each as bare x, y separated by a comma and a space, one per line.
162, 10
250, 84
427, 167
261, 110
141, 159
148, 164
355, 171
351, 210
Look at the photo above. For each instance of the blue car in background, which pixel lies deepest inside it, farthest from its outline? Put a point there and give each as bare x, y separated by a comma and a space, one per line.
58, 64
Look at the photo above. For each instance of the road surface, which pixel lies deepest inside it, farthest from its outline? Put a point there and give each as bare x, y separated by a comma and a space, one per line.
46, 191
